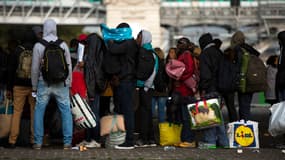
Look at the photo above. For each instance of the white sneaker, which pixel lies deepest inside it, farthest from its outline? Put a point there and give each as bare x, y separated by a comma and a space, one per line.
83, 143
93, 144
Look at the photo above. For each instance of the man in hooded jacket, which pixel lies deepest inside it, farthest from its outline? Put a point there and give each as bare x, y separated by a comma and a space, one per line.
209, 59
44, 91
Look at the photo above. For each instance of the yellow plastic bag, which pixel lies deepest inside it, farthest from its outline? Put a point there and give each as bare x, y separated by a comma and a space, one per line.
169, 133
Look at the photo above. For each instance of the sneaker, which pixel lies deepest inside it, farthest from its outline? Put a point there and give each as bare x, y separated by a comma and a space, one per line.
141, 143
67, 146
152, 143
10, 146
93, 144
83, 143
124, 146
187, 145
37, 146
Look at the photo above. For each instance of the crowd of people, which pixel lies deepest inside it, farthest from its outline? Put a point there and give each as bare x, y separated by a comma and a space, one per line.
116, 77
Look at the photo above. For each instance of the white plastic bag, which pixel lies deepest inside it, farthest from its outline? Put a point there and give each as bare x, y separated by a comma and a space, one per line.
277, 119
243, 134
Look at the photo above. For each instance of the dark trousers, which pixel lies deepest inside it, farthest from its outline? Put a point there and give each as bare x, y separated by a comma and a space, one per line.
94, 133
124, 104
230, 103
187, 135
145, 108
244, 100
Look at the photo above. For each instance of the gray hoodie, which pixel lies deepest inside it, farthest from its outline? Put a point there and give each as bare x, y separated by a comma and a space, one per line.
49, 34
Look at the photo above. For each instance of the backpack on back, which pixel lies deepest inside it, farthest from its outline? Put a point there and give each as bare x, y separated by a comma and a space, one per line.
145, 64
3, 67
54, 68
253, 73
25, 63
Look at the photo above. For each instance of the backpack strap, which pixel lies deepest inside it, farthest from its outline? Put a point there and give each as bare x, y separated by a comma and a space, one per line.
45, 42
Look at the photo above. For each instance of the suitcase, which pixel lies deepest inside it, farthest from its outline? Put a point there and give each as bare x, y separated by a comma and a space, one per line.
83, 116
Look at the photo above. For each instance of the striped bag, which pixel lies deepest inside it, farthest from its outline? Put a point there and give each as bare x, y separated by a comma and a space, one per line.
83, 116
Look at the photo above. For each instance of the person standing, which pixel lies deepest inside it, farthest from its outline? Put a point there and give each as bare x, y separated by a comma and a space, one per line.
244, 99
184, 55
159, 97
280, 77
145, 88
45, 90
124, 82
19, 84
209, 60
270, 94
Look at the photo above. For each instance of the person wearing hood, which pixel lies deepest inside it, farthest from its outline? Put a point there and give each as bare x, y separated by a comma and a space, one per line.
19, 83
244, 99
145, 89
124, 81
44, 91
209, 60
280, 77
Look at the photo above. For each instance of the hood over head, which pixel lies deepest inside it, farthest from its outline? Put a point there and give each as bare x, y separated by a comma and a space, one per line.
50, 31
237, 39
205, 39
146, 37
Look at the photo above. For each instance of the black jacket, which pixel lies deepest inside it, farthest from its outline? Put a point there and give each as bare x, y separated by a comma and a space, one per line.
93, 59
127, 51
280, 77
209, 60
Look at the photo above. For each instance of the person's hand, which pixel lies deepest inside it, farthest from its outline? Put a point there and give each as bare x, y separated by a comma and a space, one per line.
9, 94
34, 93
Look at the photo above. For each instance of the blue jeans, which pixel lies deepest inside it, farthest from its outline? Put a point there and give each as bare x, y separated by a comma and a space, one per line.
124, 104
160, 101
216, 136
61, 94
94, 133
187, 135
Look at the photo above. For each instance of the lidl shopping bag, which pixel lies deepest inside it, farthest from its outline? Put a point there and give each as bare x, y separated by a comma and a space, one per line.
243, 134
169, 133
277, 119
205, 114
83, 116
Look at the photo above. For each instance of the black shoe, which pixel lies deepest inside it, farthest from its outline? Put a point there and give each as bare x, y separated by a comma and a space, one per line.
10, 146
124, 146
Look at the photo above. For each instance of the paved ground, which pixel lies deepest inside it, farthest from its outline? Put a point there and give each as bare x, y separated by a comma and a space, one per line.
267, 151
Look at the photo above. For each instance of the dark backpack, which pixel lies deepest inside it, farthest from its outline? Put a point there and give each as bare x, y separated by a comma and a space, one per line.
54, 68
256, 75
111, 63
25, 63
253, 73
160, 80
228, 74
145, 64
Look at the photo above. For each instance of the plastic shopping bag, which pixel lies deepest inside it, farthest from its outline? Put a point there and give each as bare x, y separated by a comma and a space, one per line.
277, 119
243, 134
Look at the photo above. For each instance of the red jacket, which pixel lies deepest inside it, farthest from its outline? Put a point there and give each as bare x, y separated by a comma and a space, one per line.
179, 85
78, 84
